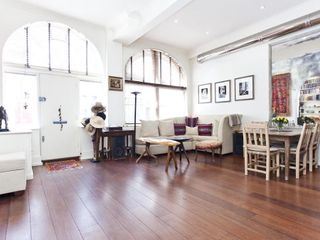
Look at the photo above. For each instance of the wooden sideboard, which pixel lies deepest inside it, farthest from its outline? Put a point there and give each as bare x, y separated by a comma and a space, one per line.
99, 143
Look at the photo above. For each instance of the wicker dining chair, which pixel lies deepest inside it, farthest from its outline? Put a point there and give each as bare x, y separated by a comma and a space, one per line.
313, 147
258, 155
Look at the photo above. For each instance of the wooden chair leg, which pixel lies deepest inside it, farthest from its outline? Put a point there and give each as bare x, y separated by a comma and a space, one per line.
245, 163
310, 160
297, 166
268, 168
305, 163
212, 154
278, 164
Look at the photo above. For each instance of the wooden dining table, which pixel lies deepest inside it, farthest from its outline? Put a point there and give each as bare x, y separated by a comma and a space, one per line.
287, 136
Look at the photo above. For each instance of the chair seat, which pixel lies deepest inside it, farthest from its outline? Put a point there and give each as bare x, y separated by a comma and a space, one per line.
208, 144
12, 161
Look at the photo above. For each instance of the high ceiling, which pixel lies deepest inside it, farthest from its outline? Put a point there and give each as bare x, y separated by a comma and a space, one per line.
186, 24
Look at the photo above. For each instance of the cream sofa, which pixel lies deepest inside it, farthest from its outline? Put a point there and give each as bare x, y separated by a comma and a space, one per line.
221, 132
12, 172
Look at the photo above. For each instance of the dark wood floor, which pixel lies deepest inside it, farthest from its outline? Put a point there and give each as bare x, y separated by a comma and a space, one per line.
123, 200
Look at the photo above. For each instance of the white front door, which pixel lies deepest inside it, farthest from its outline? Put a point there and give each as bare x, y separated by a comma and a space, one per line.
59, 116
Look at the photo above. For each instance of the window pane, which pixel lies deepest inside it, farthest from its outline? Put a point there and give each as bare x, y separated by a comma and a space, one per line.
59, 46
146, 103
20, 99
137, 67
14, 50
77, 52
175, 74
165, 74
169, 96
90, 93
39, 45
152, 66
94, 61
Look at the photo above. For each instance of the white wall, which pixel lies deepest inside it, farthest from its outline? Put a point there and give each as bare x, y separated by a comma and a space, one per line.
252, 61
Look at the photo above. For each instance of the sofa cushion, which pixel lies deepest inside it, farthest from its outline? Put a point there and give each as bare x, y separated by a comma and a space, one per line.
166, 128
192, 122
149, 128
191, 131
205, 129
12, 161
179, 128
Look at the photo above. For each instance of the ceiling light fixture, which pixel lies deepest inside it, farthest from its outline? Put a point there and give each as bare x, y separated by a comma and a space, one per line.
262, 7
207, 33
176, 21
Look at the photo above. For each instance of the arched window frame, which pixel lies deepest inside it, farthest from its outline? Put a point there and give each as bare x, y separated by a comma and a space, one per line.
159, 79
90, 53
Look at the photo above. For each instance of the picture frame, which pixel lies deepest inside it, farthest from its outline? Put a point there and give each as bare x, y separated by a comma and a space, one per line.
115, 83
244, 88
222, 91
204, 93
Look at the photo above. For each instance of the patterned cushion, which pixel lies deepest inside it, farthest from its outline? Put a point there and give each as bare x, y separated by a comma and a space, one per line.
208, 145
205, 129
192, 122
179, 129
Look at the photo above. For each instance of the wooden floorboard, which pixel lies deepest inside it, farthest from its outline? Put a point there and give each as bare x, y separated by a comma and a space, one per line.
124, 200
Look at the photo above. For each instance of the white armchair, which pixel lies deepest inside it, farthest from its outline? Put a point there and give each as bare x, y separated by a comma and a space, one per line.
12, 172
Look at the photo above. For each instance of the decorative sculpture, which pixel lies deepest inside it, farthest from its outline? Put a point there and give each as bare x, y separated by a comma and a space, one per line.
3, 116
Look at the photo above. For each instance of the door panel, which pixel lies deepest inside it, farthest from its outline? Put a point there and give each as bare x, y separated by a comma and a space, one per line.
60, 133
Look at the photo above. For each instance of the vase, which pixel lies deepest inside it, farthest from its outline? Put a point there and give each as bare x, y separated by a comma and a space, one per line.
279, 126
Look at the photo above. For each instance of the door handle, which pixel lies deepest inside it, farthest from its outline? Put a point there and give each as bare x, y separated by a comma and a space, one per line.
43, 138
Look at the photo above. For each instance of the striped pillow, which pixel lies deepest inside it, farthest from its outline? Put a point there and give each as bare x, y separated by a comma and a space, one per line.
179, 129
192, 122
205, 129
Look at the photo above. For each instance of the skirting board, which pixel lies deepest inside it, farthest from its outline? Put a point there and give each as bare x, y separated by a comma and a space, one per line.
86, 155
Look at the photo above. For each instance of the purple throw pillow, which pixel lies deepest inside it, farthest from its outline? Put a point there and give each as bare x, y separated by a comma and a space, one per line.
192, 122
205, 129
179, 129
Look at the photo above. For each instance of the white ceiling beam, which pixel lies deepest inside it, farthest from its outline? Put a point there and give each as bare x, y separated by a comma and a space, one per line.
136, 25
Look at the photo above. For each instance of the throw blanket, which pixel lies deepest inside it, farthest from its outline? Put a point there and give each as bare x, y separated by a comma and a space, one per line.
234, 120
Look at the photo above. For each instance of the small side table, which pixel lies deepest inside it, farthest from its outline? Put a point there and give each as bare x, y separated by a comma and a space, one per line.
180, 147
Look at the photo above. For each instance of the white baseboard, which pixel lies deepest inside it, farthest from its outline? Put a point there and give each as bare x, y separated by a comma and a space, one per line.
86, 155
36, 161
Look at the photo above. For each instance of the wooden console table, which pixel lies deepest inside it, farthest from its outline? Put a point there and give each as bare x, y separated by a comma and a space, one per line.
101, 134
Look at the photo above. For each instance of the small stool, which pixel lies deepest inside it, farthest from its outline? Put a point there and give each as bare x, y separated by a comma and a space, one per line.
208, 145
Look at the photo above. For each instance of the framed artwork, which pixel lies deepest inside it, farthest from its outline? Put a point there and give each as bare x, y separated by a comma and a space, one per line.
280, 94
222, 91
115, 83
244, 88
204, 93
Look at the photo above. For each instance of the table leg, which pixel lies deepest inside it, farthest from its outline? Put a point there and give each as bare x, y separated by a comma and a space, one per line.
96, 146
287, 158
146, 153
171, 156
184, 152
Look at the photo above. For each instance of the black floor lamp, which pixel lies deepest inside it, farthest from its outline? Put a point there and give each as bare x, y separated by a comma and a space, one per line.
135, 122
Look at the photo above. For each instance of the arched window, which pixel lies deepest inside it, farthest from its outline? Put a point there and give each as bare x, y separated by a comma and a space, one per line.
162, 84
53, 46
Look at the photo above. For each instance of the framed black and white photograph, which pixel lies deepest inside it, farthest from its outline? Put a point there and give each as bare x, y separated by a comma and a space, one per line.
204, 93
222, 91
244, 88
115, 83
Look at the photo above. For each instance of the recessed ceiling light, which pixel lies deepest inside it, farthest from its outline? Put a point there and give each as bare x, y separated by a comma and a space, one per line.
176, 20
207, 33
262, 7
